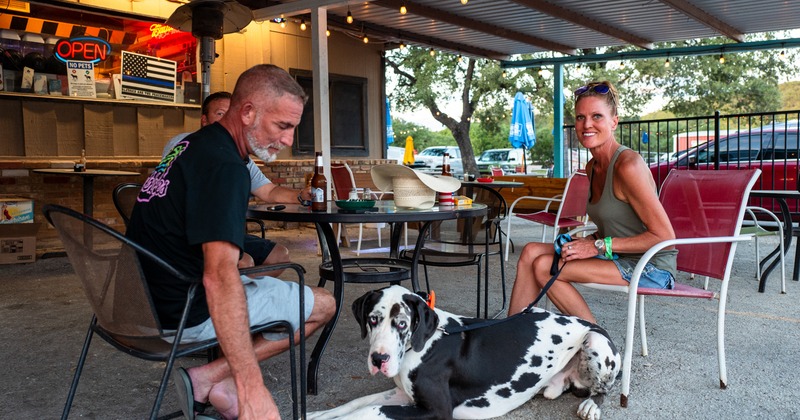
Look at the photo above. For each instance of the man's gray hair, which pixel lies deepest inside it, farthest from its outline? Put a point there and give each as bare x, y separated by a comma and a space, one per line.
269, 80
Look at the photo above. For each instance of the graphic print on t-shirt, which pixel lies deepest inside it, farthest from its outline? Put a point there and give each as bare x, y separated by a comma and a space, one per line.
157, 184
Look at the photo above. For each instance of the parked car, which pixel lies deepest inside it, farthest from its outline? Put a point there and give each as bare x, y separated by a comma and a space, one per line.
395, 153
773, 149
506, 159
430, 160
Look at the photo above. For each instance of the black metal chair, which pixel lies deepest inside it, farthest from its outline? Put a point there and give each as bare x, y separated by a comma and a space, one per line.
469, 243
108, 266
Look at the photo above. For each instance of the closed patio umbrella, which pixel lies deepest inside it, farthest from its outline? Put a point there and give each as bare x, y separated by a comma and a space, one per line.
522, 132
408, 155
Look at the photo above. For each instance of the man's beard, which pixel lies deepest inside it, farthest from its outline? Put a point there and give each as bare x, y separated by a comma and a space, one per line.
263, 152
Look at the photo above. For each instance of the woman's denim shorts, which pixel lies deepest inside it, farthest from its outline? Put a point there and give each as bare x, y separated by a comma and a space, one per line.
652, 277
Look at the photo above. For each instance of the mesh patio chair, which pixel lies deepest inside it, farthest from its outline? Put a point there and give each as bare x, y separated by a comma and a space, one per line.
706, 209
571, 211
451, 245
108, 266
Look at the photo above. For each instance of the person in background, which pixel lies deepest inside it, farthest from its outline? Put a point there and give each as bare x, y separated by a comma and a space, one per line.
257, 250
191, 213
622, 203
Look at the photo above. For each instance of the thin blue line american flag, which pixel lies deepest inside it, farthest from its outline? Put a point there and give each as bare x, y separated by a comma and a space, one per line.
146, 77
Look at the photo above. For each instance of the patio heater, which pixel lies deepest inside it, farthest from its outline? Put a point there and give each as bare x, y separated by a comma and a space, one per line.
208, 20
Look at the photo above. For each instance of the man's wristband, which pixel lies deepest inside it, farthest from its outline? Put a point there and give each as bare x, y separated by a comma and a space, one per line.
303, 202
609, 253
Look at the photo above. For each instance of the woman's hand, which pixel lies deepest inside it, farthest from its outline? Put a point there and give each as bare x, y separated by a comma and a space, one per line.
578, 249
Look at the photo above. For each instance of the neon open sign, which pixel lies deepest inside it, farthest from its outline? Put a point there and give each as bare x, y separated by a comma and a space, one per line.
88, 49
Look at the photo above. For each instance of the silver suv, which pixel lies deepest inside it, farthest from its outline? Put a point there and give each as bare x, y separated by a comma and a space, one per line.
430, 160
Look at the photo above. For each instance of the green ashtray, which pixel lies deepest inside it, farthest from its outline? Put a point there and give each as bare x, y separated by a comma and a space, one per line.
355, 204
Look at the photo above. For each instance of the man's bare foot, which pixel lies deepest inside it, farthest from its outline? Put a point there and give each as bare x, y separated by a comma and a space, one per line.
224, 399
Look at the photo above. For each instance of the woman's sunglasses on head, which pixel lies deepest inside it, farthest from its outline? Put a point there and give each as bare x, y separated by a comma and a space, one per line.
600, 88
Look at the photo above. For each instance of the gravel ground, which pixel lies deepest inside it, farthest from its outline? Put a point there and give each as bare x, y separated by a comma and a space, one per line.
44, 317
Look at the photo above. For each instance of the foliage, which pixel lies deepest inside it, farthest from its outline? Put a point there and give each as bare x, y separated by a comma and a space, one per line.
425, 81
423, 137
790, 96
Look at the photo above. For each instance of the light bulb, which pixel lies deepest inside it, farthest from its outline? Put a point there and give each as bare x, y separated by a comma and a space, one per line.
540, 71
283, 23
365, 39
504, 74
302, 24
403, 9
721, 59
666, 63
349, 16
402, 45
327, 32
783, 54
432, 52
459, 58
622, 64
464, 1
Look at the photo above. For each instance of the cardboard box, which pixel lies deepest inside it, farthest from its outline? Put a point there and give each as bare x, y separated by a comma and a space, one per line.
15, 209
18, 243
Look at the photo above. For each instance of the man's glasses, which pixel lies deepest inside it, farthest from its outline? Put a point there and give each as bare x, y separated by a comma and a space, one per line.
600, 88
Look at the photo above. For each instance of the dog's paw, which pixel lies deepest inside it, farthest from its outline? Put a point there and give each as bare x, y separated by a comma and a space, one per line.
589, 410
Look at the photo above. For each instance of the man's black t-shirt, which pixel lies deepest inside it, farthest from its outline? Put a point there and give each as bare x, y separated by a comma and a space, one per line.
197, 194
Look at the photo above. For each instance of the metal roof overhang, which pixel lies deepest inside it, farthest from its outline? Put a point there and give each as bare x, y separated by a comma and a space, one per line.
571, 29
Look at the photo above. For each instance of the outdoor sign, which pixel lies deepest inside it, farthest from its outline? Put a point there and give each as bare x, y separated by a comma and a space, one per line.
147, 77
80, 76
91, 49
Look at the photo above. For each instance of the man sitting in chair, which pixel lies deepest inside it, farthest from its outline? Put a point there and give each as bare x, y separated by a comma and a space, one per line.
257, 250
191, 213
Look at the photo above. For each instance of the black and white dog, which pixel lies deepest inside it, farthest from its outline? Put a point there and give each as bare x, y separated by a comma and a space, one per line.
475, 374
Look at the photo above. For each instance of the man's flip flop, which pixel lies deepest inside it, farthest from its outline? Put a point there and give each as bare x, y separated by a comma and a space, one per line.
186, 402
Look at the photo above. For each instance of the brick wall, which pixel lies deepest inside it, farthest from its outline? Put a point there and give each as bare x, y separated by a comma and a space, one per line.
17, 177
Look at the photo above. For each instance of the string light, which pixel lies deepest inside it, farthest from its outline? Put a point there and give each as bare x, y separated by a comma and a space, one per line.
431, 52
783, 54
541, 71
365, 39
349, 15
459, 58
464, 1
622, 64
402, 45
302, 24
283, 23
721, 59
666, 63
504, 74
327, 32
403, 9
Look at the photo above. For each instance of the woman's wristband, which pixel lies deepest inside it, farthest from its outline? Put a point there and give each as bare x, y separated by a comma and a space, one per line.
609, 253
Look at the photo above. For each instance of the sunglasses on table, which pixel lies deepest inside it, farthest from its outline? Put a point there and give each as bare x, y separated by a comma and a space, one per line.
600, 88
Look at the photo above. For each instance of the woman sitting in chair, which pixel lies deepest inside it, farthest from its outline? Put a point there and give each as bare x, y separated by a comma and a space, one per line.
624, 205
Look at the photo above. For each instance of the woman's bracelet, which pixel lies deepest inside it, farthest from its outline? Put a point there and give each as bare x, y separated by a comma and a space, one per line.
609, 253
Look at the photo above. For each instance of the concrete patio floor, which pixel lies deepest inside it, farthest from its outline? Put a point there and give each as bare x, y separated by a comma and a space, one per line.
44, 316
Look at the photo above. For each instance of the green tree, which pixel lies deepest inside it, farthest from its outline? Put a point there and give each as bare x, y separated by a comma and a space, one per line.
430, 82
423, 136
790, 96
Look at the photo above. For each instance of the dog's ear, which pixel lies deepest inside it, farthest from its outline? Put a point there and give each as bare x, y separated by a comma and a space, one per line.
423, 323
361, 308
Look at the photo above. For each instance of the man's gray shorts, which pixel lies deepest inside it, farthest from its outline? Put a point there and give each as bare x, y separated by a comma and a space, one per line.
268, 299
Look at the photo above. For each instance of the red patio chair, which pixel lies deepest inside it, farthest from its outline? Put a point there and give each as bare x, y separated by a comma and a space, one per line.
571, 213
706, 209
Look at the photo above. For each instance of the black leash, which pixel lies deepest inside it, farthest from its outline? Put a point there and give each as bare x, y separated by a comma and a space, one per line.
555, 270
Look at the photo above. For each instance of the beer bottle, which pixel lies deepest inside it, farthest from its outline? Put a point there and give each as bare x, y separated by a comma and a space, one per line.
446, 165
319, 186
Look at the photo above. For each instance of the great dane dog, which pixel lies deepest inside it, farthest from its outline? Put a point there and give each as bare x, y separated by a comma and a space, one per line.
478, 373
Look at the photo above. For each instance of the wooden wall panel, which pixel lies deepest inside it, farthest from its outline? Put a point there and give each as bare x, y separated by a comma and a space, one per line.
151, 131
53, 129
99, 122
125, 133
13, 139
